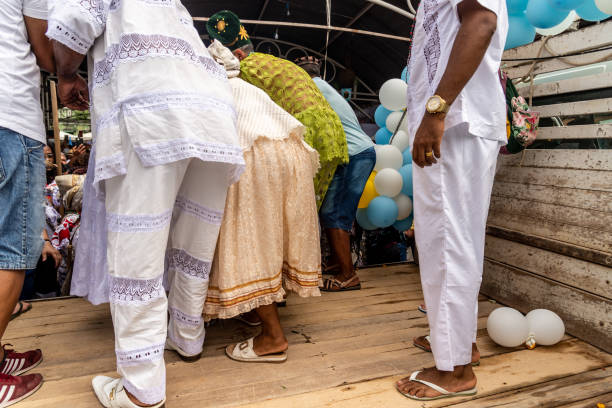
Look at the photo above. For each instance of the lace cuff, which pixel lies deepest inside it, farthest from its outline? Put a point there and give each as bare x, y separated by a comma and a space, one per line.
138, 223
208, 215
183, 318
126, 358
63, 34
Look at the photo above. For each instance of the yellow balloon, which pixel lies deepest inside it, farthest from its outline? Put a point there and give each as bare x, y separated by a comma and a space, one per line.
369, 192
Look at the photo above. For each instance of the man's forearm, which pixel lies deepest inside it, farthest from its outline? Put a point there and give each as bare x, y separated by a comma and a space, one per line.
67, 61
478, 25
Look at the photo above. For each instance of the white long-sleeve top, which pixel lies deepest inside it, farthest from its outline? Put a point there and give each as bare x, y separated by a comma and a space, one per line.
153, 84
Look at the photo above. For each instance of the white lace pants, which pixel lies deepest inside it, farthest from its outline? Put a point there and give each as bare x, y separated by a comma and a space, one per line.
163, 216
451, 204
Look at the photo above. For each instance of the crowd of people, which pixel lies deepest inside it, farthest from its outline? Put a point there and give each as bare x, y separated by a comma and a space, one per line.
212, 173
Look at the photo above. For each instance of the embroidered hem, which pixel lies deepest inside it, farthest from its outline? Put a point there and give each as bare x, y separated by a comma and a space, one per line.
149, 396
63, 34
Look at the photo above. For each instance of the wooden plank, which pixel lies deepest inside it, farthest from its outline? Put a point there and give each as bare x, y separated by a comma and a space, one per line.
590, 277
497, 374
585, 315
588, 38
557, 64
551, 245
605, 399
592, 219
567, 233
580, 159
569, 85
568, 197
576, 132
568, 390
569, 178
575, 108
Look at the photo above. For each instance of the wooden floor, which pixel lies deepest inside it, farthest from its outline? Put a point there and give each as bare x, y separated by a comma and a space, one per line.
346, 350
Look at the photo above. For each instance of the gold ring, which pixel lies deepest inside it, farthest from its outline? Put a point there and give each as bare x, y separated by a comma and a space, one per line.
428, 154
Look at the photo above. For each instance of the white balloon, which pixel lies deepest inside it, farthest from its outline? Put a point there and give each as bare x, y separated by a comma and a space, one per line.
388, 182
394, 94
507, 327
388, 156
546, 327
393, 121
562, 26
605, 6
404, 205
401, 140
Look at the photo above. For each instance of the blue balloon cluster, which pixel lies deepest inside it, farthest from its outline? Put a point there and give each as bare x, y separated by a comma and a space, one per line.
382, 211
524, 16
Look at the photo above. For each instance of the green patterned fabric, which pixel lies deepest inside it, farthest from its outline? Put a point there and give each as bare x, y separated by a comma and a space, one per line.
225, 26
292, 89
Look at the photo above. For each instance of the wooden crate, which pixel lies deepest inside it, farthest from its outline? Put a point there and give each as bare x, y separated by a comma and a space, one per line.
549, 236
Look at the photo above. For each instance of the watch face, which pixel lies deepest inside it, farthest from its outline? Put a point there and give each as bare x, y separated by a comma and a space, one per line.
433, 104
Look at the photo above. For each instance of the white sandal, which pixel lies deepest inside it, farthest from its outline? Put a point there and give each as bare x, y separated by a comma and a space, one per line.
244, 352
111, 393
445, 393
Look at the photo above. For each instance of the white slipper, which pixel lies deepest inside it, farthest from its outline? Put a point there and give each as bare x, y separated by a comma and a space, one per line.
244, 352
111, 393
445, 393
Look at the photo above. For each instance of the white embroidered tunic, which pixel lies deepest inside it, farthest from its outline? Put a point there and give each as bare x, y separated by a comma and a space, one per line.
153, 84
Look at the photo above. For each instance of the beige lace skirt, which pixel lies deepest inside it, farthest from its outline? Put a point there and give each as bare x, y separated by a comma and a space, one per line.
269, 239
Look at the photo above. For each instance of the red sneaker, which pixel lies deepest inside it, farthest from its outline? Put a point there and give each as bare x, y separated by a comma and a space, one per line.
14, 389
18, 363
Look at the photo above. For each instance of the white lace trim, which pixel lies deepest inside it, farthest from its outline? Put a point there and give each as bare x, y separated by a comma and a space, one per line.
183, 262
148, 396
63, 34
184, 318
190, 347
126, 358
138, 223
179, 149
205, 214
135, 46
124, 290
156, 101
109, 167
94, 9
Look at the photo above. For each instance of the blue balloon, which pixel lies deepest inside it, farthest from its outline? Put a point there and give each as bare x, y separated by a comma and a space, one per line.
403, 225
405, 75
380, 116
407, 157
363, 220
566, 5
382, 211
589, 11
383, 136
540, 14
516, 6
406, 172
520, 31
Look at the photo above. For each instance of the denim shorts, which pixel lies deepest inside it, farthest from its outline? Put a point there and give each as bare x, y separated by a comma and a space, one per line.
340, 204
22, 183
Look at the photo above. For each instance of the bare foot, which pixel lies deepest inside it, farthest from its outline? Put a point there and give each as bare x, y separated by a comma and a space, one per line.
422, 343
461, 379
264, 345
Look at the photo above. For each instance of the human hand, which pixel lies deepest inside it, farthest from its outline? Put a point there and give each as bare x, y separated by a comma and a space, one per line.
50, 251
428, 139
78, 152
73, 92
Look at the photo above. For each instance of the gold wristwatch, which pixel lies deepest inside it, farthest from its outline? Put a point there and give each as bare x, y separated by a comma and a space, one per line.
436, 104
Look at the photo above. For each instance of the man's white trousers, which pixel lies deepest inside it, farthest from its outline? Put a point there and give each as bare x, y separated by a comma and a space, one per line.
451, 204
162, 217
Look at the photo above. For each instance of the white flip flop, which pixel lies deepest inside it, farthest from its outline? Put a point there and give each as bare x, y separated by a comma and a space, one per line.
445, 393
244, 352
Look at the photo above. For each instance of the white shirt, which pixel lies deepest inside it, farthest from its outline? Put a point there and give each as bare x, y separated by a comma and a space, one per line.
153, 84
481, 104
20, 108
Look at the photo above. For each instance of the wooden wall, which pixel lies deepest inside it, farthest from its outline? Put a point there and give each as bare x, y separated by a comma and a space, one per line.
549, 237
